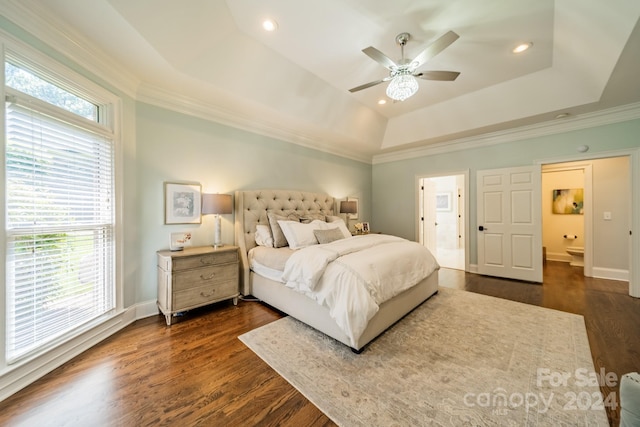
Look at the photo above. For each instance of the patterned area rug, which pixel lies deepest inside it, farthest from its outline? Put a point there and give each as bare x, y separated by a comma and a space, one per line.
458, 359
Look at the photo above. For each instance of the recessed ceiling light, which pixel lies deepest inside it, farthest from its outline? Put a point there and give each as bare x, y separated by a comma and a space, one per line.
382, 101
522, 47
269, 25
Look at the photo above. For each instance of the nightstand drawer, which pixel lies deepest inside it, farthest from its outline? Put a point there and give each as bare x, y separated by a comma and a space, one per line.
204, 276
204, 260
196, 297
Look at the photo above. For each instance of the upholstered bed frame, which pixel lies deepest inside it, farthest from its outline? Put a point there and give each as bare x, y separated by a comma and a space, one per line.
251, 209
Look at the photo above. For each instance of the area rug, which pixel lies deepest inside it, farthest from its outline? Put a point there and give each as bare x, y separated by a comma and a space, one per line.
459, 359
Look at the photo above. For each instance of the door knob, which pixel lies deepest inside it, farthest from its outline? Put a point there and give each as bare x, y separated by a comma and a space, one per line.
481, 228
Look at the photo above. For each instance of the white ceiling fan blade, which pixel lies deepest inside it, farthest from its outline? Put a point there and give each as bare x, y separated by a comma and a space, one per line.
444, 76
367, 85
380, 57
433, 49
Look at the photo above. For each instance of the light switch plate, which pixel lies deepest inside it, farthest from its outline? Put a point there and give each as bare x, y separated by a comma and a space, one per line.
607, 216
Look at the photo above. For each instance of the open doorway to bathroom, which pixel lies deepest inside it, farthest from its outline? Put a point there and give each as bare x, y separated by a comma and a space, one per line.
593, 233
442, 218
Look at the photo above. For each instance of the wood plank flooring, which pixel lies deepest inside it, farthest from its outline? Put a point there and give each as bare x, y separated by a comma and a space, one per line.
197, 373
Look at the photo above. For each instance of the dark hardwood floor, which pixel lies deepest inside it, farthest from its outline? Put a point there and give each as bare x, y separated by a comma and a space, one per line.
197, 372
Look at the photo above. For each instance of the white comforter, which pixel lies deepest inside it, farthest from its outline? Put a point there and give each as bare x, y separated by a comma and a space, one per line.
353, 276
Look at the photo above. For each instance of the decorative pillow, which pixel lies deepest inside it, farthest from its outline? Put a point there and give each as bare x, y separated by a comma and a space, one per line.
298, 234
279, 240
263, 236
328, 236
339, 224
308, 217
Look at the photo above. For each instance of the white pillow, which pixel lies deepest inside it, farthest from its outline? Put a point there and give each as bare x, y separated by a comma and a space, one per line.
300, 235
339, 224
263, 236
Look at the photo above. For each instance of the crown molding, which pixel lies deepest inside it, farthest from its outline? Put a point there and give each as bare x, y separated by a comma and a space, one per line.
179, 103
62, 38
583, 121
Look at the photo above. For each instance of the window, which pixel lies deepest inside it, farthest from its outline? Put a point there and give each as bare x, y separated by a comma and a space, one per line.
60, 226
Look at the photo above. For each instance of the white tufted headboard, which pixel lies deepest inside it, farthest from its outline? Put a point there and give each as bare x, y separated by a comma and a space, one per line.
251, 209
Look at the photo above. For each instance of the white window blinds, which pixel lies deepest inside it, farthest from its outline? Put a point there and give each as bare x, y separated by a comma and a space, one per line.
60, 227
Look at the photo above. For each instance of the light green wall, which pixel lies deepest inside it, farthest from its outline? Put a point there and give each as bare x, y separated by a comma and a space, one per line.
394, 183
173, 147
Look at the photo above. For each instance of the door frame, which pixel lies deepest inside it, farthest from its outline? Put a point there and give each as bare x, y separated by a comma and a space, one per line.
467, 196
634, 215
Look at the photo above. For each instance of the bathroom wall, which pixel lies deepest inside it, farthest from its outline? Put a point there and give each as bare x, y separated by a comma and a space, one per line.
555, 226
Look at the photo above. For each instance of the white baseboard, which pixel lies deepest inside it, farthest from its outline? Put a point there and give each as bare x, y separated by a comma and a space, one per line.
598, 272
21, 375
147, 309
610, 274
558, 256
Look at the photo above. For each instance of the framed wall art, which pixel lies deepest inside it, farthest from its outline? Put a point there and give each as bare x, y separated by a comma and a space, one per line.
443, 202
568, 201
182, 203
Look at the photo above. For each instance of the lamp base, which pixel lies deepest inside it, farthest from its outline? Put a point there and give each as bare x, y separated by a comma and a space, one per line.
217, 232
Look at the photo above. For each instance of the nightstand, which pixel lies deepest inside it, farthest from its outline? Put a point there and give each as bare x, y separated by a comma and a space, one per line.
195, 277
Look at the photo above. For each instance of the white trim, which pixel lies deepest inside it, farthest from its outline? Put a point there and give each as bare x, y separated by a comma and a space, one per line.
634, 238
3, 222
146, 309
584, 121
611, 274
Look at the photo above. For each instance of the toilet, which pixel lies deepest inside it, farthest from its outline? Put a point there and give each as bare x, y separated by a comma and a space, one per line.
577, 255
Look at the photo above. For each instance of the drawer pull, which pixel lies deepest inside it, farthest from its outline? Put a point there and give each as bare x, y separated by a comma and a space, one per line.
209, 295
211, 276
206, 261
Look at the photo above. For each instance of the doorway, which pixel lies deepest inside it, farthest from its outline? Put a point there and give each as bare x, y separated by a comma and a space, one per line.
602, 231
443, 218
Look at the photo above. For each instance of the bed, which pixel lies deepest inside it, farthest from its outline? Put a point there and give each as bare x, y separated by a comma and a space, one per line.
256, 209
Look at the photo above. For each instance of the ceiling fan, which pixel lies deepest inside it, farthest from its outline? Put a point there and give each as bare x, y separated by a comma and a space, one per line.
402, 74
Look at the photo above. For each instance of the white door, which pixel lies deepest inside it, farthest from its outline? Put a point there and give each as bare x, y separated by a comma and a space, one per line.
429, 219
509, 223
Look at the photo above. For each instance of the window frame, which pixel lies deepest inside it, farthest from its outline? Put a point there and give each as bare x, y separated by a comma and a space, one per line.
109, 120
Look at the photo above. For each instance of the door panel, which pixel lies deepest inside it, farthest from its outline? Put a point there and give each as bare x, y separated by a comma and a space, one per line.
509, 223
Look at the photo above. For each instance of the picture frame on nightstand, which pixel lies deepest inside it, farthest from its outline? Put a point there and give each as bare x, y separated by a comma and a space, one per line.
180, 240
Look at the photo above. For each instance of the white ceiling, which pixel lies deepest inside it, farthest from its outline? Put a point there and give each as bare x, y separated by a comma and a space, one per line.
294, 82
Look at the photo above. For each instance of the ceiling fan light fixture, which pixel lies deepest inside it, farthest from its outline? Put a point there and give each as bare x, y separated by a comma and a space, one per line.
402, 87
